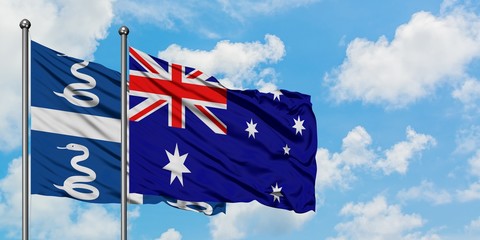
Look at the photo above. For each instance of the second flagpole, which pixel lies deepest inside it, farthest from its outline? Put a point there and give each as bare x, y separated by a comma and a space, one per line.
123, 31
25, 25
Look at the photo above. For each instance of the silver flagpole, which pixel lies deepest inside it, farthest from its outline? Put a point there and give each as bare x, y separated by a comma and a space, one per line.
25, 26
123, 31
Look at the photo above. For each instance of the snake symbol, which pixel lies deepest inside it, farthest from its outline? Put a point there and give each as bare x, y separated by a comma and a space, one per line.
185, 205
75, 92
79, 182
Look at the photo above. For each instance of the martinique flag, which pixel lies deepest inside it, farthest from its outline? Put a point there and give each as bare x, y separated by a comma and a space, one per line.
193, 139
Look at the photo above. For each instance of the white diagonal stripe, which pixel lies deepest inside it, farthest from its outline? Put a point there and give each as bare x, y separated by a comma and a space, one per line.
75, 124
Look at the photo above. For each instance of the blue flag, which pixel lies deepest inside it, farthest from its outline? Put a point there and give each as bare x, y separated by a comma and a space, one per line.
75, 132
191, 138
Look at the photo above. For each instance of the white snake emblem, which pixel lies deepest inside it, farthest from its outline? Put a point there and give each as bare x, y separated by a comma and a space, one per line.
75, 92
79, 182
185, 205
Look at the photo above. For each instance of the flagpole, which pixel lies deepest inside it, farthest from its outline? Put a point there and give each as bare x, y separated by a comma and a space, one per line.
123, 31
25, 26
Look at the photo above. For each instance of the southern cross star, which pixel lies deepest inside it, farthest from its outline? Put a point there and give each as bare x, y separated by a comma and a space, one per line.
176, 165
276, 94
251, 128
286, 150
298, 125
276, 192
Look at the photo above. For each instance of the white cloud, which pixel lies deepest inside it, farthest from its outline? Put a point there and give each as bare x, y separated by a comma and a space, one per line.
11, 196
425, 191
187, 15
333, 171
398, 157
170, 234
134, 213
70, 26
170, 14
243, 68
92, 222
73, 27
244, 9
473, 226
337, 168
355, 150
474, 163
472, 193
468, 93
161, 12
468, 139
52, 217
448, 5
420, 236
377, 220
411, 66
244, 219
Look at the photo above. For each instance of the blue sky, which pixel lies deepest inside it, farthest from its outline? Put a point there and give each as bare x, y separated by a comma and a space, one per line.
395, 89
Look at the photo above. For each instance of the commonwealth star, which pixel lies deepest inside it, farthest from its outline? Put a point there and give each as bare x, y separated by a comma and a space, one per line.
176, 165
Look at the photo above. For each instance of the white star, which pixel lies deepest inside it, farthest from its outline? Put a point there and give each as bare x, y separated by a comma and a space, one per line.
276, 94
276, 192
251, 128
298, 125
286, 150
176, 165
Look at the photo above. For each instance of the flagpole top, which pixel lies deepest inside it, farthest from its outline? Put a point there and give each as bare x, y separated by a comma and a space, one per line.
123, 30
25, 24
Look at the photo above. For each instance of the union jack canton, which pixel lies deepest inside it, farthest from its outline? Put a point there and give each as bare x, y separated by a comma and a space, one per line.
193, 139
178, 87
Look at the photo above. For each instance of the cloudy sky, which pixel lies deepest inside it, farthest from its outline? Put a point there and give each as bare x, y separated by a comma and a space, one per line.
395, 89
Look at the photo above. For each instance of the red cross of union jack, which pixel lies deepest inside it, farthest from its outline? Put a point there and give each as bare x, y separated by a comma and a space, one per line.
173, 86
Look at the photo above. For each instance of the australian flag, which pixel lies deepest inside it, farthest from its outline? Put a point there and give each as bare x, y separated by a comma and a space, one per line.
75, 132
191, 138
